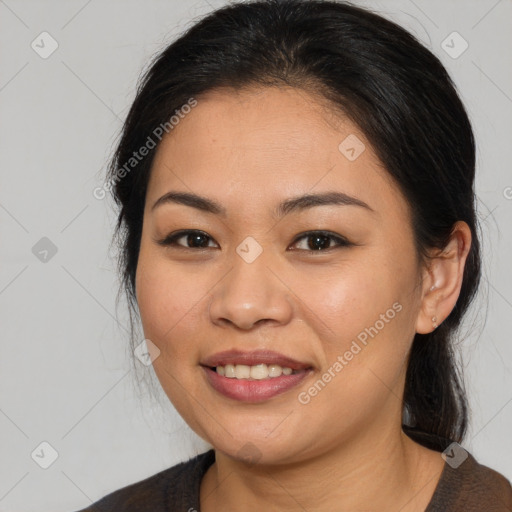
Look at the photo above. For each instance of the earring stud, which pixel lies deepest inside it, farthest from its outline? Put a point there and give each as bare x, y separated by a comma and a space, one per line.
434, 322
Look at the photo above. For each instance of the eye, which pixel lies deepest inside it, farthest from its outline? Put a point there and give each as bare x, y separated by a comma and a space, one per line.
321, 240
317, 241
197, 239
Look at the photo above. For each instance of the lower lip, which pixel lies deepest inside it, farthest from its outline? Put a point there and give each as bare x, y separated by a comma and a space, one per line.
253, 390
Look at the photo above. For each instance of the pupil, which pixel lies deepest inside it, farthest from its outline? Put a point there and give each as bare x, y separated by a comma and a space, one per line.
192, 238
318, 238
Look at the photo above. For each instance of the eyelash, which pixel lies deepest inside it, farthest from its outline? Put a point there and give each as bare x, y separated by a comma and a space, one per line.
170, 240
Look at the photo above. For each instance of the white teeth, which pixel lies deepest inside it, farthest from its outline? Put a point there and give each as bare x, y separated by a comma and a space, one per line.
274, 370
256, 372
229, 371
260, 371
242, 371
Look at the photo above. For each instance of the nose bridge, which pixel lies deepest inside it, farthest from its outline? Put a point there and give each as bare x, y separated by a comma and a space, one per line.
250, 292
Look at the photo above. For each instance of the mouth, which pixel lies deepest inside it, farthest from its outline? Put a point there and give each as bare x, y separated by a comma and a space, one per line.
253, 376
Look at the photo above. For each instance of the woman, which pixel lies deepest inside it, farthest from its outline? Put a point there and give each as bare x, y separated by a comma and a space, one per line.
297, 220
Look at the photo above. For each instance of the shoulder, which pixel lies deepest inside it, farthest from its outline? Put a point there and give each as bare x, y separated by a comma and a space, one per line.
175, 488
470, 487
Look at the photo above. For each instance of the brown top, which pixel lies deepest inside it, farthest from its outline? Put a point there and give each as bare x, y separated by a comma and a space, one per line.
469, 487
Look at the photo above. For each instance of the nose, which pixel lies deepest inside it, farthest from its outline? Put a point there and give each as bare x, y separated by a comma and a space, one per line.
250, 294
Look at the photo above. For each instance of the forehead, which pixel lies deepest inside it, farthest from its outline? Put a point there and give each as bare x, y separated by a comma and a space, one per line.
261, 123
267, 143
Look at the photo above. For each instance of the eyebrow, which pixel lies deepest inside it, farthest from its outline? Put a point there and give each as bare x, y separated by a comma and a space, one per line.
293, 204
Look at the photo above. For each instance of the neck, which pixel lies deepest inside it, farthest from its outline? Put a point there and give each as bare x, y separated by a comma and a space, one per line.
384, 472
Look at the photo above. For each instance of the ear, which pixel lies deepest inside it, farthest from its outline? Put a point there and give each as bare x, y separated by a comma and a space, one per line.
442, 279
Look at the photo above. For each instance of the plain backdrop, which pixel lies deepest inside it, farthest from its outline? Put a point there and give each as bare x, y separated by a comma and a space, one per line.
65, 377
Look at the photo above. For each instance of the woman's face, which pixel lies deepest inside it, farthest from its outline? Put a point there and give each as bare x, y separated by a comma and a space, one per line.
255, 277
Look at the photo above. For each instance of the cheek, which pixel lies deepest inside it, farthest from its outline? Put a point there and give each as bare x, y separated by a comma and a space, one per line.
170, 310
365, 317
169, 305
348, 298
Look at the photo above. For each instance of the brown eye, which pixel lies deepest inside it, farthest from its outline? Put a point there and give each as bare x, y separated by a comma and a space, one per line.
316, 241
321, 241
194, 239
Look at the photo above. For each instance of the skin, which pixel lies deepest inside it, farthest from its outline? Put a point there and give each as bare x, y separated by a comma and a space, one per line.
344, 450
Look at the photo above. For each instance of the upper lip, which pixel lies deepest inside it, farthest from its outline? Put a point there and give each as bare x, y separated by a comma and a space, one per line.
253, 358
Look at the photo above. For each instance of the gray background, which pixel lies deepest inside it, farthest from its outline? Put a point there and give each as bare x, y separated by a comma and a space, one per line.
65, 367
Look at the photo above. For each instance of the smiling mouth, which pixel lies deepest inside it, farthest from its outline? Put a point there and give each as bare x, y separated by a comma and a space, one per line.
256, 383
254, 376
